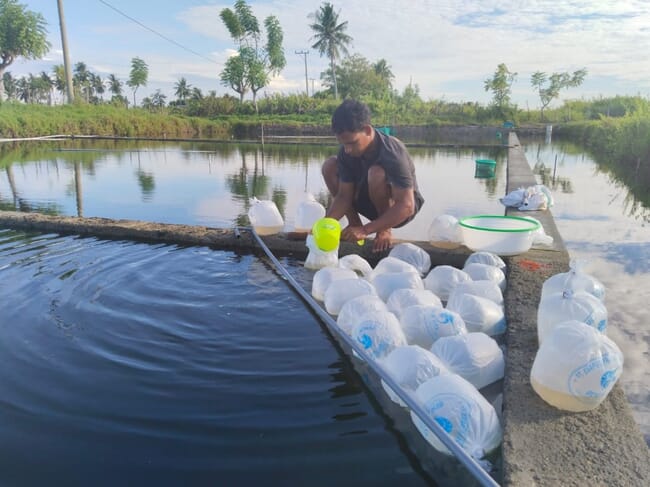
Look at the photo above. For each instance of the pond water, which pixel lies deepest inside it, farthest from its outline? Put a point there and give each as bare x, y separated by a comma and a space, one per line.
170, 365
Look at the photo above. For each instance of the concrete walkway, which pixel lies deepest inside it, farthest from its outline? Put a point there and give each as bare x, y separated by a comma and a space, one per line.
542, 446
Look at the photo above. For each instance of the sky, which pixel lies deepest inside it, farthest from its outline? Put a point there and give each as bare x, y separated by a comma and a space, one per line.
448, 48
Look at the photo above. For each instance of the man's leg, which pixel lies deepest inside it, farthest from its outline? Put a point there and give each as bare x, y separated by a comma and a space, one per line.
381, 197
331, 177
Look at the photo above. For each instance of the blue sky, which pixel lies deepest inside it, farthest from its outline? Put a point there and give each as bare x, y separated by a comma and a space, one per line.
447, 47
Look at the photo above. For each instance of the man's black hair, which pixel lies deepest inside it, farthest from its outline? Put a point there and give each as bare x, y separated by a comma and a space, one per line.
350, 116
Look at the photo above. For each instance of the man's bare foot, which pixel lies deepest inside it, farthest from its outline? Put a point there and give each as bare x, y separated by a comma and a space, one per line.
383, 241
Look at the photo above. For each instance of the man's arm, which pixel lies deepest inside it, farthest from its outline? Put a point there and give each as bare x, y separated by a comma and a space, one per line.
342, 202
402, 208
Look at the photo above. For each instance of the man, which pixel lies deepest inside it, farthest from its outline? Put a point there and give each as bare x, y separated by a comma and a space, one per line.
372, 175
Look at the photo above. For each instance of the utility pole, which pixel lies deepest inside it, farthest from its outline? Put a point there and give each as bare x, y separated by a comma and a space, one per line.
304, 54
66, 57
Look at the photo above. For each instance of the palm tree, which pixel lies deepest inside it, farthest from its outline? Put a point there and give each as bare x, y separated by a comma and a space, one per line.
46, 85
9, 83
114, 85
330, 36
81, 79
59, 78
97, 86
182, 88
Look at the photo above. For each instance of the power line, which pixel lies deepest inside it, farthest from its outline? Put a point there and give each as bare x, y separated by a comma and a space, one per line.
157, 33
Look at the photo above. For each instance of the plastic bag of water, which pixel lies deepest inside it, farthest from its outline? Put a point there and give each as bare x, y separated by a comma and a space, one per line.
388, 282
423, 324
476, 357
317, 258
479, 314
576, 279
486, 258
486, 272
414, 255
309, 210
265, 217
576, 367
342, 290
352, 311
356, 263
378, 334
400, 299
410, 366
444, 232
442, 279
392, 264
324, 277
458, 407
562, 306
483, 289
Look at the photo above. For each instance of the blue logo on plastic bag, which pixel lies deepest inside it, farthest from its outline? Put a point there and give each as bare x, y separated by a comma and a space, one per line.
607, 379
445, 423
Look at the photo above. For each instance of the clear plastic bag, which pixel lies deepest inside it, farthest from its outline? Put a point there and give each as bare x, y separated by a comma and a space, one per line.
317, 258
392, 264
352, 311
356, 263
265, 217
486, 272
400, 299
486, 258
423, 324
483, 289
342, 290
576, 367
444, 232
414, 255
388, 282
409, 366
442, 279
323, 277
479, 314
476, 357
309, 210
568, 305
580, 281
378, 334
463, 413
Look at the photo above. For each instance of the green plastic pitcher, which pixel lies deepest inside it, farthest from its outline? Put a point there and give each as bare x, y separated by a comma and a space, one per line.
327, 234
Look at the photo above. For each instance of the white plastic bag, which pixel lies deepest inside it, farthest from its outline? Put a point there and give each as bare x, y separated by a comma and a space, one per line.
352, 311
486, 258
483, 289
342, 290
479, 314
539, 235
558, 307
387, 282
463, 413
476, 357
486, 272
414, 255
442, 279
400, 299
423, 324
392, 264
265, 217
309, 210
378, 334
317, 258
409, 366
576, 367
323, 278
445, 232
580, 281
356, 263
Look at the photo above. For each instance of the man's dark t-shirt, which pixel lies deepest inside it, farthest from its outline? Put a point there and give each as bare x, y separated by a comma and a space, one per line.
393, 157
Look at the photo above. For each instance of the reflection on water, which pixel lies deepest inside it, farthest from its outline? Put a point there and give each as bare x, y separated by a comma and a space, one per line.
602, 221
213, 184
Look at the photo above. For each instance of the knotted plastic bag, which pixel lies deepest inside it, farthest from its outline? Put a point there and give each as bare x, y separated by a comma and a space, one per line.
414, 255
484, 257
483, 289
463, 413
576, 367
479, 314
352, 311
409, 366
378, 333
324, 277
400, 299
392, 264
423, 324
580, 281
342, 290
444, 232
387, 282
317, 258
486, 272
356, 263
265, 217
442, 279
476, 357
309, 210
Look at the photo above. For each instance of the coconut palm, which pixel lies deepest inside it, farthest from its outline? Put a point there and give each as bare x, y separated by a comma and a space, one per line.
182, 90
114, 85
330, 36
59, 78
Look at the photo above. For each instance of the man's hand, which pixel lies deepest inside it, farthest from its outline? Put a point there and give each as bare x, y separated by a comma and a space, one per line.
383, 239
353, 233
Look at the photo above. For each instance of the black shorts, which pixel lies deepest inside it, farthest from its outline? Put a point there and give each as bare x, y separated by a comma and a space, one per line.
364, 206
